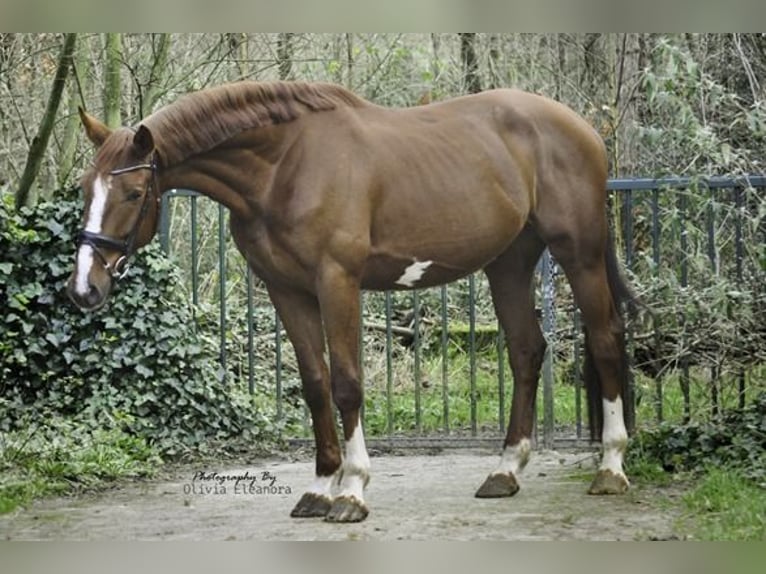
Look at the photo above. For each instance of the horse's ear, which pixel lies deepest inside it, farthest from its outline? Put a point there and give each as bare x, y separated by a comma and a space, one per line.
144, 140
95, 130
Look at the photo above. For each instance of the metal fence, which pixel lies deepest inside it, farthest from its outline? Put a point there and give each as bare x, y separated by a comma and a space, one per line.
662, 225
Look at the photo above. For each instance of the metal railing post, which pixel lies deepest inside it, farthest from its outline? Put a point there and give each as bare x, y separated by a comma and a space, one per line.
549, 334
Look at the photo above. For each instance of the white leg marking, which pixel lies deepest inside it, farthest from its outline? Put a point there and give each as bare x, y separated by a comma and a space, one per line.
356, 467
413, 273
514, 458
614, 438
93, 224
323, 485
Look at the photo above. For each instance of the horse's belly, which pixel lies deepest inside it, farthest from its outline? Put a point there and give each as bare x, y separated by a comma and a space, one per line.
385, 272
437, 250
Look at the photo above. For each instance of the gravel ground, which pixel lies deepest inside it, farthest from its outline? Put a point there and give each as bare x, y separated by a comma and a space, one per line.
423, 497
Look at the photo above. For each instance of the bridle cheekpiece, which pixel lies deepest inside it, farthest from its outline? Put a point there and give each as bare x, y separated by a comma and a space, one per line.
125, 247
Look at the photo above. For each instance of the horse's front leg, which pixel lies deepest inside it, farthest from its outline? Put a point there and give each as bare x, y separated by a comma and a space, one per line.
299, 312
339, 302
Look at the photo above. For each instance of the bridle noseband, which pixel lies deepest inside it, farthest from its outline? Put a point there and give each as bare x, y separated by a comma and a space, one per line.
125, 247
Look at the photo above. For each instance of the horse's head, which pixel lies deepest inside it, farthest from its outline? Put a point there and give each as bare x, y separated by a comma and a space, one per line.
122, 204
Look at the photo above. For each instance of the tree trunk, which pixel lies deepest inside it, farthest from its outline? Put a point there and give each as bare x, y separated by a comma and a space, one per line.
471, 79
6, 57
626, 104
6, 49
285, 54
236, 51
40, 141
157, 73
112, 80
561, 63
349, 61
436, 70
592, 75
337, 66
74, 94
494, 61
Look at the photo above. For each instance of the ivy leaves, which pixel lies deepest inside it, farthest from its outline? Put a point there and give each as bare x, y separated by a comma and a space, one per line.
143, 354
736, 442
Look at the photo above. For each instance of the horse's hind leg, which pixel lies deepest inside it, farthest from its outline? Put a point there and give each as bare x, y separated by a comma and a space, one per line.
583, 253
510, 279
606, 350
300, 316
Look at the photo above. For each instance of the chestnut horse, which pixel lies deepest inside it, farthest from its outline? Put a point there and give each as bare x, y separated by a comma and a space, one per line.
330, 194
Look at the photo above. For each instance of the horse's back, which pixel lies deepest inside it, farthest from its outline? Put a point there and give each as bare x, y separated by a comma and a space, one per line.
533, 128
424, 195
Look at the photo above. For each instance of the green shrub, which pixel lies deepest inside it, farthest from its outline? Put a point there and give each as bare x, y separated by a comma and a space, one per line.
54, 455
737, 442
140, 364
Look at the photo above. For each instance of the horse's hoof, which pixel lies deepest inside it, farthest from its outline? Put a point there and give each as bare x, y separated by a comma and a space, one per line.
608, 482
312, 505
347, 509
498, 485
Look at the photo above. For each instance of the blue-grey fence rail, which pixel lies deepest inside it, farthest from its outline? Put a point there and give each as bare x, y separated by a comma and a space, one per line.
626, 196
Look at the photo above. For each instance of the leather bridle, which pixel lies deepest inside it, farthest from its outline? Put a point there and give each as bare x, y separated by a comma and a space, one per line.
125, 247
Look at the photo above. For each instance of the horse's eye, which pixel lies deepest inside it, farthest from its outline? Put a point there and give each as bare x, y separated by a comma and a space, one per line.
133, 195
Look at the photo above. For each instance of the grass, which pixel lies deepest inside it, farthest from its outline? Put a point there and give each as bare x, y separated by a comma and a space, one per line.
724, 505
491, 416
400, 402
64, 456
648, 472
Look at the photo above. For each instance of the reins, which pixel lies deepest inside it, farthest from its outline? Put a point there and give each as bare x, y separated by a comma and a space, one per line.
125, 247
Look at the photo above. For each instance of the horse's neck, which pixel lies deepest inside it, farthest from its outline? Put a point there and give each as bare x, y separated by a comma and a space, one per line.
226, 178
237, 173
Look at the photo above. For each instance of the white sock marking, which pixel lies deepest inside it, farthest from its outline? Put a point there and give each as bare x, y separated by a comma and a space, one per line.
614, 438
514, 458
93, 224
356, 467
323, 485
413, 273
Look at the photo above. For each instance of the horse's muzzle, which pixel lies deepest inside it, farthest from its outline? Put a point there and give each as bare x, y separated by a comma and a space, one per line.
94, 298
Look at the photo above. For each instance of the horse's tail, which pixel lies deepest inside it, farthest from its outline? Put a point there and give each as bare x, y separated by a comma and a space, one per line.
621, 294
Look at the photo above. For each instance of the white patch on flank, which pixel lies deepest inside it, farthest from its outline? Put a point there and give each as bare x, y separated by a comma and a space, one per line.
356, 467
614, 438
413, 273
93, 224
514, 458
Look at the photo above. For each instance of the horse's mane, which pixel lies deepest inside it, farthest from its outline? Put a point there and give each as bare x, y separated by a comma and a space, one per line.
202, 120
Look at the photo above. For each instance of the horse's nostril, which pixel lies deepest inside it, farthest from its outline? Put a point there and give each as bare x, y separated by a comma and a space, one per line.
94, 296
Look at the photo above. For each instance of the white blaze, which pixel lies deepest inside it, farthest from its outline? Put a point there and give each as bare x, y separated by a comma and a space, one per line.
413, 273
514, 458
614, 438
93, 224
